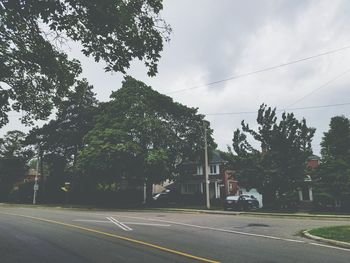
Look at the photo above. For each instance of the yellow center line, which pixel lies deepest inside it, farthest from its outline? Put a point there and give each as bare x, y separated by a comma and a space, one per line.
135, 241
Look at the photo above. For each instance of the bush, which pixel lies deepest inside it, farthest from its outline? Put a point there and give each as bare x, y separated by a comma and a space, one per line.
324, 201
288, 201
22, 194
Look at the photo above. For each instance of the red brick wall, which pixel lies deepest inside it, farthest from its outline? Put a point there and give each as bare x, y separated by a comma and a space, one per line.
312, 163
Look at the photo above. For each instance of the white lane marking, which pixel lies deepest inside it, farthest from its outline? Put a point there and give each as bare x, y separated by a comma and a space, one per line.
329, 246
90, 220
119, 224
129, 223
216, 229
111, 220
145, 224
237, 232
234, 232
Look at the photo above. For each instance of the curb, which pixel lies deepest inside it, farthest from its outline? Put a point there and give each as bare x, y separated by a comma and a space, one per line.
199, 211
326, 240
217, 212
309, 216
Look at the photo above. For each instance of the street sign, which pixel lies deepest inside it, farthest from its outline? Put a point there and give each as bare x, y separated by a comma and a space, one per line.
36, 187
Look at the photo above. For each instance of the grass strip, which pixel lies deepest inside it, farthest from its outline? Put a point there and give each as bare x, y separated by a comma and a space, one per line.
339, 233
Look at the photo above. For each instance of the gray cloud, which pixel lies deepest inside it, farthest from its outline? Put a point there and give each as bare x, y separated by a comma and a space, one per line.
216, 39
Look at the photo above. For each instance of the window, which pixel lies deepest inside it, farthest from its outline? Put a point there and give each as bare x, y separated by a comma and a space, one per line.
213, 169
199, 169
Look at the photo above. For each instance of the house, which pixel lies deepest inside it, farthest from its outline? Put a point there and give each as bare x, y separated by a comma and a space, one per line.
31, 174
305, 190
222, 181
192, 178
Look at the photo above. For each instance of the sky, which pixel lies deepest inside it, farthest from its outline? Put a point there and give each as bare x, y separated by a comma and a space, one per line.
215, 40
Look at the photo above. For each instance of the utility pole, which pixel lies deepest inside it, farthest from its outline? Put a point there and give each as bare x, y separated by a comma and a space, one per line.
36, 184
207, 197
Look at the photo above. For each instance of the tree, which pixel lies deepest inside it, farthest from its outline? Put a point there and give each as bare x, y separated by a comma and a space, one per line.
336, 142
64, 135
141, 135
35, 74
13, 159
278, 169
62, 138
333, 175
11, 145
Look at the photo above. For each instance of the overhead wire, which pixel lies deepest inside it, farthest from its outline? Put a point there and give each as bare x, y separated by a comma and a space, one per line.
260, 70
321, 87
298, 100
299, 108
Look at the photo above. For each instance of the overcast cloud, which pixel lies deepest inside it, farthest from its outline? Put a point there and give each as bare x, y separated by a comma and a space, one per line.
213, 40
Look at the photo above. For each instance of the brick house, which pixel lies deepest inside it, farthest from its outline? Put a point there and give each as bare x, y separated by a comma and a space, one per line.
192, 178
305, 190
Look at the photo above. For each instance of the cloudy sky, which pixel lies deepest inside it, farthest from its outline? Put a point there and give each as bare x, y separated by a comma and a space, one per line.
214, 40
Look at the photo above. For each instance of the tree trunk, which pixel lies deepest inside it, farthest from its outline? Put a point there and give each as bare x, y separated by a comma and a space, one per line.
149, 191
269, 197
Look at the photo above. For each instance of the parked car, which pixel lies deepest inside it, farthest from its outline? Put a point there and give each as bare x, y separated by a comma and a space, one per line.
165, 197
162, 196
241, 202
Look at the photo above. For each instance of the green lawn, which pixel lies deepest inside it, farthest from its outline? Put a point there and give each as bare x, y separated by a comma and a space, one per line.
340, 233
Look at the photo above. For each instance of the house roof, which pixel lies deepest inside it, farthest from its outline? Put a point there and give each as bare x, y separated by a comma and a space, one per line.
215, 157
314, 157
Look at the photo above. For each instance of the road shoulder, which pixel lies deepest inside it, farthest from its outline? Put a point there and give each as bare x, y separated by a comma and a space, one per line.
333, 242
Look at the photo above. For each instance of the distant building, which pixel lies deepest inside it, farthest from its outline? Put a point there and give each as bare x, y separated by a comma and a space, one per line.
305, 190
192, 178
30, 175
313, 161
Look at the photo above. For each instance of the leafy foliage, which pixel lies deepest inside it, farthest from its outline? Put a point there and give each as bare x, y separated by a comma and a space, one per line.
333, 175
141, 135
36, 75
33, 73
64, 135
13, 158
62, 138
336, 142
279, 168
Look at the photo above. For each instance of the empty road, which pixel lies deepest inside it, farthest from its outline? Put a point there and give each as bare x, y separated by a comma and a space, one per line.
64, 235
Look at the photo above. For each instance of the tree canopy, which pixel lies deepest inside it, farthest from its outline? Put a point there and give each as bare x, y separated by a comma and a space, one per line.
35, 74
141, 135
13, 159
64, 134
336, 141
278, 168
333, 175
62, 138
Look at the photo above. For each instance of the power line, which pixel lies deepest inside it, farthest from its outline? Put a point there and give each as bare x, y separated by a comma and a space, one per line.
300, 108
320, 87
289, 106
260, 70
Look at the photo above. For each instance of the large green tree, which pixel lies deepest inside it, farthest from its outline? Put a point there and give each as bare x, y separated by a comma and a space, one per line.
336, 141
13, 159
333, 175
279, 167
141, 135
35, 74
74, 118
62, 138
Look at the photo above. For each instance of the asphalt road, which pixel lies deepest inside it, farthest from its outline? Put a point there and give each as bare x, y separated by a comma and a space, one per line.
60, 235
